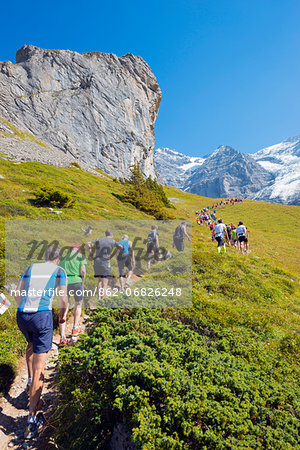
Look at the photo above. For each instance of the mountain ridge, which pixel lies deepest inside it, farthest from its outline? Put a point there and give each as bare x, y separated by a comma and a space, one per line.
277, 167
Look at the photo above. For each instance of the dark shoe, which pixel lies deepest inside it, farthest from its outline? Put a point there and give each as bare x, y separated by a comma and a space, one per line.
31, 431
40, 420
27, 389
33, 428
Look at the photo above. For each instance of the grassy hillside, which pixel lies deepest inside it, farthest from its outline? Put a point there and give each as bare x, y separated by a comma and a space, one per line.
222, 374
274, 229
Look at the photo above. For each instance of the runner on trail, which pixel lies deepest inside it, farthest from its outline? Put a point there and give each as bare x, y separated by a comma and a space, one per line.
213, 232
152, 244
34, 296
179, 235
242, 236
233, 237
220, 230
125, 258
228, 228
102, 269
74, 264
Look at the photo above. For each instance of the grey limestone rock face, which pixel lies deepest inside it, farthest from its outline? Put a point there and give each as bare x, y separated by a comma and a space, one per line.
95, 107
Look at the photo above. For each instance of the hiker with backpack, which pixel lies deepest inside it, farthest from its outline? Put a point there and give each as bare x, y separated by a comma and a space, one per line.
125, 258
179, 235
220, 231
104, 248
228, 228
242, 235
74, 263
233, 236
152, 244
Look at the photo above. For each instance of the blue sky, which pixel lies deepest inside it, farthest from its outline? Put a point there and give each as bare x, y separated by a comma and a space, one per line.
229, 70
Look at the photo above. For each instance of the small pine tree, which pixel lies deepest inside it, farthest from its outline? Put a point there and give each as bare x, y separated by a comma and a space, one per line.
146, 195
158, 191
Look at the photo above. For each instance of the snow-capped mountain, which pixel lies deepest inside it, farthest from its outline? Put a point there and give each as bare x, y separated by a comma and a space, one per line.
175, 167
271, 174
283, 161
228, 173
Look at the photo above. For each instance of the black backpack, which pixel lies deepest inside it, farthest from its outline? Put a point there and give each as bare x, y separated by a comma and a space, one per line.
179, 233
151, 237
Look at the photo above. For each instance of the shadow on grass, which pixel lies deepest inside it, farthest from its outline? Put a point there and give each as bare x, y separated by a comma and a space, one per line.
118, 196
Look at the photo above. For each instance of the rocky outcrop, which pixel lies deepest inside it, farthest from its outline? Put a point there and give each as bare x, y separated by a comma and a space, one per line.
96, 107
19, 146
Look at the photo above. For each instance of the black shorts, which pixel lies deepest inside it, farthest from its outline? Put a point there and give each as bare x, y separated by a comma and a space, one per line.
179, 244
37, 327
151, 247
102, 269
220, 241
124, 261
75, 290
243, 239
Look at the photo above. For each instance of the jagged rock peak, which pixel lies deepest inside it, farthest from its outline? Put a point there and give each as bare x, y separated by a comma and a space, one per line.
97, 107
224, 150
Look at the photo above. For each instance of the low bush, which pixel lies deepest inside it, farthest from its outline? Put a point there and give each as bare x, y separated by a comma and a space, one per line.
75, 164
172, 388
146, 195
49, 196
13, 345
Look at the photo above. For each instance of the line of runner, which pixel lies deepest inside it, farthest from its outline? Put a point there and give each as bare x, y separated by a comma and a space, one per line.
237, 237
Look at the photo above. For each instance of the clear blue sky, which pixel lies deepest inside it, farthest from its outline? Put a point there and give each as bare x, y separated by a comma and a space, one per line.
229, 70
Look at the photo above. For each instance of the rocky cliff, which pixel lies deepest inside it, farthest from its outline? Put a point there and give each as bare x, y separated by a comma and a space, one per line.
95, 107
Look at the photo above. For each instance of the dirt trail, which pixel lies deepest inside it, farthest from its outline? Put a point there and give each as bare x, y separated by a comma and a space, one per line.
13, 407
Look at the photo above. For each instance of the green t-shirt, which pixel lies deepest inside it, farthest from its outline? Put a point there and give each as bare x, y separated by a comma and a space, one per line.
72, 264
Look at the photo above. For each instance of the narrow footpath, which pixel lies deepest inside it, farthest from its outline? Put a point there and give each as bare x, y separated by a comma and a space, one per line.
13, 406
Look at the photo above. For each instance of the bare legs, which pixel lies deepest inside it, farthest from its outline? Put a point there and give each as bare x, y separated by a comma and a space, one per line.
77, 313
62, 321
102, 284
38, 367
122, 280
150, 256
29, 359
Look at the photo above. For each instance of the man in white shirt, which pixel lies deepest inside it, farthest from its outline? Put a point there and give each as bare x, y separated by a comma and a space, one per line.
242, 236
220, 230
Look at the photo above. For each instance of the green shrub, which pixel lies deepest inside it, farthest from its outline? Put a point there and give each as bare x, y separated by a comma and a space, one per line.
49, 196
158, 191
172, 387
146, 195
13, 345
75, 164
